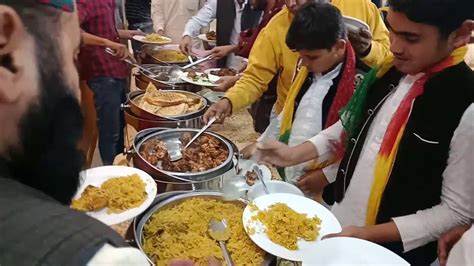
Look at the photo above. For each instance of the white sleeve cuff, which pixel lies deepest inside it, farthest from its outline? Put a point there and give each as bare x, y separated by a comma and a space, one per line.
320, 143
331, 171
409, 229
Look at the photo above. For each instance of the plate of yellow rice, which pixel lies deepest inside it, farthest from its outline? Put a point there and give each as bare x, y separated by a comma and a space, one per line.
115, 193
287, 225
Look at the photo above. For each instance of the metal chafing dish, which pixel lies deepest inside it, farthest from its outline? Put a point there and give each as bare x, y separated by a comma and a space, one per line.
141, 119
135, 97
211, 179
148, 55
141, 123
142, 79
168, 200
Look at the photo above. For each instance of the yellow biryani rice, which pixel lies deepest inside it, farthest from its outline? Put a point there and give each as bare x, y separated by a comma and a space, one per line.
285, 226
124, 193
182, 232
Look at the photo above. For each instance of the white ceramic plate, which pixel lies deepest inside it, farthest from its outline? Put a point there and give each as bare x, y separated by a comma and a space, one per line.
212, 78
329, 225
141, 39
213, 96
347, 251
274, 186
354, 24
97, 176
208, 71
203, 37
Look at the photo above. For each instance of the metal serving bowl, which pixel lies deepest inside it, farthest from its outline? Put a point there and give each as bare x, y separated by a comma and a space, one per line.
172, 199
142, 79
135, 97
142, 123
171, 138
148, 55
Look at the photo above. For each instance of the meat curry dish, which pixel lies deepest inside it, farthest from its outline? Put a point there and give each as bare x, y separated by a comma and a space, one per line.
205, 153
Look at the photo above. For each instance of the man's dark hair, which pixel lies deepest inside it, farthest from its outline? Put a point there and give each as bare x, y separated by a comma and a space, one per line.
315, 26
446, 15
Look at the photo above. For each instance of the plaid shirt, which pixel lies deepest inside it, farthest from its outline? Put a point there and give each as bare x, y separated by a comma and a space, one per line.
97, 17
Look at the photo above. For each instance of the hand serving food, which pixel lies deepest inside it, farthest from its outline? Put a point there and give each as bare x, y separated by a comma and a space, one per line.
220, 110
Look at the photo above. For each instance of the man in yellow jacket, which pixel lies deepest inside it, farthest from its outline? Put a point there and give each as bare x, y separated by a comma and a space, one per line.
270, 56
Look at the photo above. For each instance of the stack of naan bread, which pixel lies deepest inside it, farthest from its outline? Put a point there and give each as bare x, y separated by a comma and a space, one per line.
168, 103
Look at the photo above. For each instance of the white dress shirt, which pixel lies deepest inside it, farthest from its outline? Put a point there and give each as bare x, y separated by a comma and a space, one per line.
307, 121
205, 16
457, 195
171, 17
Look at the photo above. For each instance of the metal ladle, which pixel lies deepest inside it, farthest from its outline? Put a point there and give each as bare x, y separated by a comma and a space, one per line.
177, 72
133, 63
220, 232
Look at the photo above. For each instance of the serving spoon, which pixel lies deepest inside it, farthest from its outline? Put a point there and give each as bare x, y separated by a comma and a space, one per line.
177, 155
219, 231
177, 72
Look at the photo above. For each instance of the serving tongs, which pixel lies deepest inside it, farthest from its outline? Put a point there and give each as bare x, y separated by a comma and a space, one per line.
133, 62
259, 173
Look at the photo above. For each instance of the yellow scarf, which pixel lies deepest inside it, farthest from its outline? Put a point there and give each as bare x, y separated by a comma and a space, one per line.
388, 150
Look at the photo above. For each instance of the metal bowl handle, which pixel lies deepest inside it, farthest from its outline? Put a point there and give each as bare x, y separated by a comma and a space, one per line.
124, 106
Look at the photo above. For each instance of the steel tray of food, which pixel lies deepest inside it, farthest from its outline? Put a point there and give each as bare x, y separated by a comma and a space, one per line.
209, 156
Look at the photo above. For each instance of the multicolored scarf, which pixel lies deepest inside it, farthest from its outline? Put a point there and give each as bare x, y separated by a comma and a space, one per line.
65, 5
351, 117
344, 93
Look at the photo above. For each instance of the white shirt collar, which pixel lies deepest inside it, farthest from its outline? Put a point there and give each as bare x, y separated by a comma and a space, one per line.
330, 75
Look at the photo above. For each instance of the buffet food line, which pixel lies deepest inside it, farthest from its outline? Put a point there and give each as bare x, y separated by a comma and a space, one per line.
211, 202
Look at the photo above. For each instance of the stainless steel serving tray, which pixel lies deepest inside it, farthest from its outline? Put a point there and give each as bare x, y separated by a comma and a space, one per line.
171, 138
172, 199
135, 97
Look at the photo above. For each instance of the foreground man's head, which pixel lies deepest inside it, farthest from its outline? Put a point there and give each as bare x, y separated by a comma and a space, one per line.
423, 32
39, 97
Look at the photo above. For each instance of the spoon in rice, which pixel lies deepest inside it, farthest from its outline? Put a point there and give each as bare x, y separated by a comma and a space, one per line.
220, 232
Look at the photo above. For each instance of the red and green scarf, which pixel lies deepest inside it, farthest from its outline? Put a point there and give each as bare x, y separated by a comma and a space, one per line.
351, 117
344, 93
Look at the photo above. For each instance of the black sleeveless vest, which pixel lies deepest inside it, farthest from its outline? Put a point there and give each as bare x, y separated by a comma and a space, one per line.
36, 230
416, 178
225, 16
360, 72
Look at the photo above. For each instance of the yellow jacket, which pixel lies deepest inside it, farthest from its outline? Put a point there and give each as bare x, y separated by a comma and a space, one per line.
270, 55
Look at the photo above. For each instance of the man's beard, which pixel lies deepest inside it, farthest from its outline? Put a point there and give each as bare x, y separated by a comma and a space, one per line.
47, 157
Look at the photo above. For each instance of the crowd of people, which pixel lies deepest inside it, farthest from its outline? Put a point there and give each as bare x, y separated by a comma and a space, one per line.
377, 123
